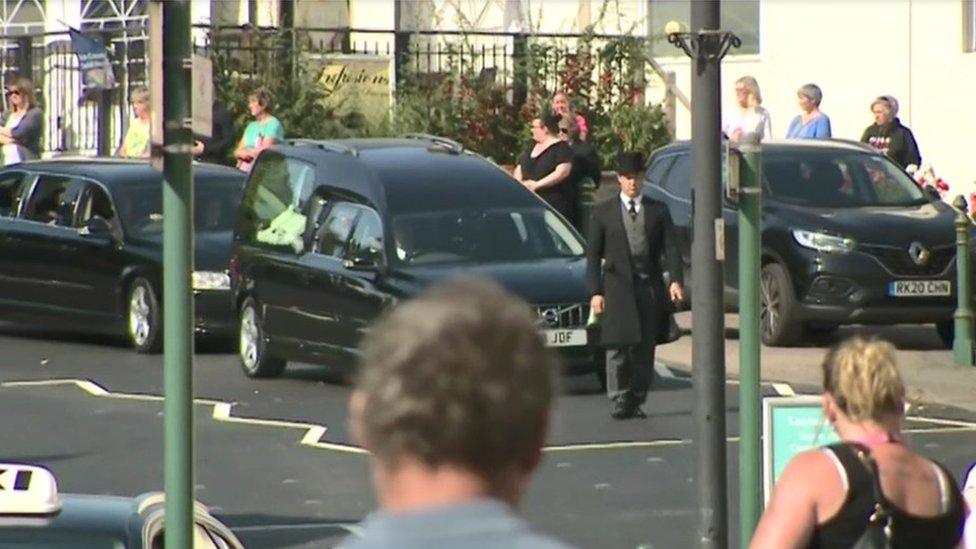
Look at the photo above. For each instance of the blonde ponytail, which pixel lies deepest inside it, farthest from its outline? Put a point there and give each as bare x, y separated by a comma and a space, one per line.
863, 378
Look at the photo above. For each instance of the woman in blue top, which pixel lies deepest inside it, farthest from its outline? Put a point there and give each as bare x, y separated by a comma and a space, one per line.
811, 123
264, 131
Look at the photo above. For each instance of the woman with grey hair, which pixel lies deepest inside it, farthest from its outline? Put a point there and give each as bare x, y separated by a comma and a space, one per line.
889, 136
811, 123
749, 116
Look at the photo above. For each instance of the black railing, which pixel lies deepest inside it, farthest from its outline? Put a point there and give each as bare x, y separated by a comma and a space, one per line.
518, 62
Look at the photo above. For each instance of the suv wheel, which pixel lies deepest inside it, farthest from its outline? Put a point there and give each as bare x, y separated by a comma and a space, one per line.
142, 317
947, 332
254, 358
777, 308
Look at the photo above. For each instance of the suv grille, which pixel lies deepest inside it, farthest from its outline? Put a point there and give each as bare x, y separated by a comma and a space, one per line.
898, 262
564, 315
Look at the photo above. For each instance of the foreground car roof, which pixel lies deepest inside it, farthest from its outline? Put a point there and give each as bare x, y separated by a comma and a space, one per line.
112, 171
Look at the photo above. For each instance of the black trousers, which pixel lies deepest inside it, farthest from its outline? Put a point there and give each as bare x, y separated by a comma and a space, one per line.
630, 369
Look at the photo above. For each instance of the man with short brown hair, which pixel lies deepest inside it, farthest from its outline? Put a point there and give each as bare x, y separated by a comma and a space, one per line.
453, 402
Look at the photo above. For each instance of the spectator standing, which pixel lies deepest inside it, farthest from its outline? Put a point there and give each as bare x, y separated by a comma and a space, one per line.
453, 402
585, 168
545, 167
216, 148
20, 126
811, 123
562, 106
629, 237
749, 116
264, 131
825, 497
889, 136
135, 144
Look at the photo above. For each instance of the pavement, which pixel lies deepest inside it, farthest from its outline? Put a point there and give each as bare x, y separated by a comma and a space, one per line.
927, 367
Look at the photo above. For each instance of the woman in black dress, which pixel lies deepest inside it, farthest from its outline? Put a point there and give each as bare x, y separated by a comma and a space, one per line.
545, 166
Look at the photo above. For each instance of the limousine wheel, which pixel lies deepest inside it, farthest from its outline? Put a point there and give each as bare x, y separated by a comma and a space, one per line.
254, 357
143, 317
777, 307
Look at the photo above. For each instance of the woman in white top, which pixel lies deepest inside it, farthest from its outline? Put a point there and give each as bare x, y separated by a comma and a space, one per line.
749, 116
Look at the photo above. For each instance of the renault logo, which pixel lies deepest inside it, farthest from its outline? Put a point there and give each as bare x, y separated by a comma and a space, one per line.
918, 253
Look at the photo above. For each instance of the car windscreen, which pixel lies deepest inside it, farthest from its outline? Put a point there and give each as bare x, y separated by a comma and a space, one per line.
482, 236
837, 179
215, 204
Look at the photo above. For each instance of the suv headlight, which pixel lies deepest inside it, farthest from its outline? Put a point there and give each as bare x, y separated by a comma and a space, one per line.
210, 280
823, 242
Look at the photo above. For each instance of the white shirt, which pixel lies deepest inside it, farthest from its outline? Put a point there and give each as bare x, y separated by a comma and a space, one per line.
750, 121
626, 200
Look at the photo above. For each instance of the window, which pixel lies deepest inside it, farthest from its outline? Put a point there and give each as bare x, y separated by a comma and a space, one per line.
738, 16
969, 25
334, 233
367, 239
678, 182
53, 201
94, 202
10, 189
829, 180
482, 236
274, 205
659, 168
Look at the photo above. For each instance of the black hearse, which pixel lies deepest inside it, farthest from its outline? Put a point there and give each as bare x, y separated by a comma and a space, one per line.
332, 232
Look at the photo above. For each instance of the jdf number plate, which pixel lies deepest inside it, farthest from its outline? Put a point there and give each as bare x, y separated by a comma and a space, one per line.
564, 338
919, 288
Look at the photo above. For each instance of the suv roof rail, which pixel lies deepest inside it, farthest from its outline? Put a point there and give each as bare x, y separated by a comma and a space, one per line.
452, 146
855, 143
333, 146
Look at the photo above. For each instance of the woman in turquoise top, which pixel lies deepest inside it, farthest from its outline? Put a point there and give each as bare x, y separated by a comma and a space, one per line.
811, 123
264, 131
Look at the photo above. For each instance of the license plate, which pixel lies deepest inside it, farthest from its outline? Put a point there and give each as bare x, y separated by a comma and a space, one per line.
564, 338
919, 288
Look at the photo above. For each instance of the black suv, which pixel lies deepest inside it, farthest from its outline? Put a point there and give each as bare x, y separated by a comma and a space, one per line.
847, 238
332, 232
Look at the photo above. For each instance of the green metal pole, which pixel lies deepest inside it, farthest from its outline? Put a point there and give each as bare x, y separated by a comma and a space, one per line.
750, 220
962, 345
177, 269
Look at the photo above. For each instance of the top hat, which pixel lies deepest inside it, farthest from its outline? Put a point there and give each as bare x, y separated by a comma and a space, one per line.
630, 163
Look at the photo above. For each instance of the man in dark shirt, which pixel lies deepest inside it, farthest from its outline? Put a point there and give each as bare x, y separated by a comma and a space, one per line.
453, 403
216, 148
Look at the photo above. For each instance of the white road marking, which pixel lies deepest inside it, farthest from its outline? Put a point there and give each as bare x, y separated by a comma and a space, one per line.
221, 411
784, 389
313, 433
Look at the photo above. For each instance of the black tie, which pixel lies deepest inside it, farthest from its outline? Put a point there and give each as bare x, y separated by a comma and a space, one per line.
633, 210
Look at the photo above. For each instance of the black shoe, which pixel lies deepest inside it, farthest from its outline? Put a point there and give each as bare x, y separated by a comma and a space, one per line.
620, 408
625, 408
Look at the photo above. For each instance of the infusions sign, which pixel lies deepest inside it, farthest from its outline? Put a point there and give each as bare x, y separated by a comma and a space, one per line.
358, 85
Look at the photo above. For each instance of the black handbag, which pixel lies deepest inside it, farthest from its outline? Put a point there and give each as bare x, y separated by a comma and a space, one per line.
878, 533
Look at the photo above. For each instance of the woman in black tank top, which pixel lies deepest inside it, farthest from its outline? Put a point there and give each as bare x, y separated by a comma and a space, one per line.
825, 497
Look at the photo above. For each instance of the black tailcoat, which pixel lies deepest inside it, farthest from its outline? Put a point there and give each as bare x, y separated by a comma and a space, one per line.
610, 273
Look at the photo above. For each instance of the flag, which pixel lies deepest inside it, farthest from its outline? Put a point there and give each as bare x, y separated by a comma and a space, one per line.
96, 66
